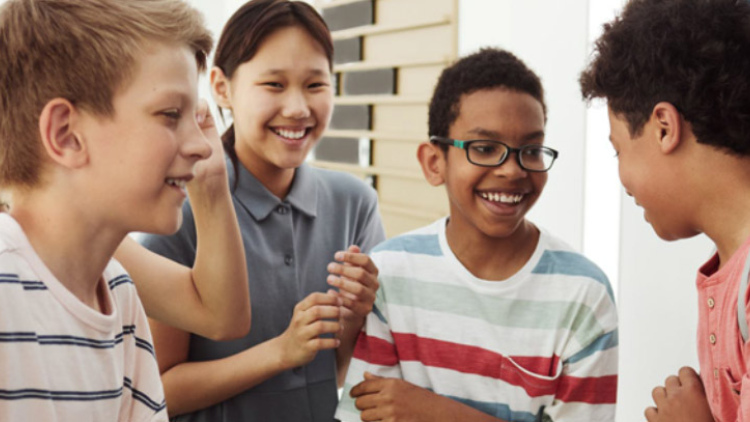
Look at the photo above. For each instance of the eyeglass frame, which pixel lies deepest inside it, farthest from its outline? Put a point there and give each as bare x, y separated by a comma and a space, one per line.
464, 145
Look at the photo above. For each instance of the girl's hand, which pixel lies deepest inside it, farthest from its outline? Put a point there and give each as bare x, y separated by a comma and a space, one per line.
314, 316
356, 277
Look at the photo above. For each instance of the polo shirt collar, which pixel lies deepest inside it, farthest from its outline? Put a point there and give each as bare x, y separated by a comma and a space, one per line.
260, 202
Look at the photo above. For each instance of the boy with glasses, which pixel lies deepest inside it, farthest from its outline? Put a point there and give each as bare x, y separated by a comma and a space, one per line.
482, 316
675, 74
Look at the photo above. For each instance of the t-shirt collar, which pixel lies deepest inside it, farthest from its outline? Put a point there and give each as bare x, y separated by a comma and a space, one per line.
260, 202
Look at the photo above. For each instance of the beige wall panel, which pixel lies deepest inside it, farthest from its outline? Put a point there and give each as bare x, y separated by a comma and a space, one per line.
418, 80
431, 43
413, 194
394, 154
396, 12
408, 119
396, 223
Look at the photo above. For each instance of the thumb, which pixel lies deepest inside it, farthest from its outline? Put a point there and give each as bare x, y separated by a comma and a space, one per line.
369, 376
354, 249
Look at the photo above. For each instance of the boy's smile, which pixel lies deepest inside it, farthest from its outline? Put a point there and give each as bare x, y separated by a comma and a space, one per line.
493, 201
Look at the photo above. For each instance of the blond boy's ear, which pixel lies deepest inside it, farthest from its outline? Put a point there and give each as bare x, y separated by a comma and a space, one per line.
668, 124
220, 88
432, 159
57, 131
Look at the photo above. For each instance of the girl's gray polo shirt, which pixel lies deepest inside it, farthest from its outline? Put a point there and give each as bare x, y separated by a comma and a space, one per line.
288, 245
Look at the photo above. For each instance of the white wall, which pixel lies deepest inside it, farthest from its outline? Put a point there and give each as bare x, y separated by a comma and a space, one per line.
583, 202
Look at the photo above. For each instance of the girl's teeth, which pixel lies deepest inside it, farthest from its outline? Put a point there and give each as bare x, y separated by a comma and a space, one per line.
502, 197
291, 134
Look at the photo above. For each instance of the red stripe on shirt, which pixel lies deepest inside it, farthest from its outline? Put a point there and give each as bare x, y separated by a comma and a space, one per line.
375, 350
597, 390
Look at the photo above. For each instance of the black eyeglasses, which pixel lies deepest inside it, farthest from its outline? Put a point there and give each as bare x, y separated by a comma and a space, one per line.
485, 153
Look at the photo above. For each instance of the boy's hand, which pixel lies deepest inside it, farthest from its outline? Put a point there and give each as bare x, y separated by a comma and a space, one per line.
315, 315
357, 280
215, 164
682, 399
392, 400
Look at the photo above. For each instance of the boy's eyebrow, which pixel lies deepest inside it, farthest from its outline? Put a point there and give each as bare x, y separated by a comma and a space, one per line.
491, 134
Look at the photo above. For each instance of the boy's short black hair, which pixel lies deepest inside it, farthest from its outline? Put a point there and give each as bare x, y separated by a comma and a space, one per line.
489, 68
694, 54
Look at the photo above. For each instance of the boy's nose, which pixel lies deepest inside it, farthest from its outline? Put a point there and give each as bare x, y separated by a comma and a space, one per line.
510, 168
196, 145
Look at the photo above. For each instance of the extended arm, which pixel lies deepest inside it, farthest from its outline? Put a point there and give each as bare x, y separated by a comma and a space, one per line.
211, 298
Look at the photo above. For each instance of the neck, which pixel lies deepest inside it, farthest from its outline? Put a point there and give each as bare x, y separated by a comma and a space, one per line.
74, 246
492, 258
723, 206
277, 180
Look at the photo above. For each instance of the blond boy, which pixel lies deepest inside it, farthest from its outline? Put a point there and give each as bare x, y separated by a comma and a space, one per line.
98, 137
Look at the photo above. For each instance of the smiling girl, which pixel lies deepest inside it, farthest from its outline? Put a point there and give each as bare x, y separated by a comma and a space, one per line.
272, 71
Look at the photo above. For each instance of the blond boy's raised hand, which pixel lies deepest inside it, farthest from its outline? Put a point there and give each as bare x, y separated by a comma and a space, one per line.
214, 165
681, 399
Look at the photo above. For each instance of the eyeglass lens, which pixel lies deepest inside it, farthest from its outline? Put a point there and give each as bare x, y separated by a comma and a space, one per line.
532, 157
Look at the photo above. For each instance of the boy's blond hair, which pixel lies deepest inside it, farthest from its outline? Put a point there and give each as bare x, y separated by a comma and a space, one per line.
80, 50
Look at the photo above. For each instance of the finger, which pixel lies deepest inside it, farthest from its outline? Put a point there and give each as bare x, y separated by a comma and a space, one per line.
315, 299
689, 377
371, 376
356, 259
366, 387
658, 394
671, 383
323, 343
353, 273
318, 313
366, 401
355, 287
651, 414
373, 415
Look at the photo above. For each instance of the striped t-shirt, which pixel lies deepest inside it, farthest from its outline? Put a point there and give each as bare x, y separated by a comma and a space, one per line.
539, 346
61, 360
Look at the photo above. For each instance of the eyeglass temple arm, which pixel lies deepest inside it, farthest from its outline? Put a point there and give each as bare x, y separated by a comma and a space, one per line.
447, 141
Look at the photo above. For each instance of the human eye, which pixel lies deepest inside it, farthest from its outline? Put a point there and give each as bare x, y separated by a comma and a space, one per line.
172, 115
273, 84
318, 85
484, 148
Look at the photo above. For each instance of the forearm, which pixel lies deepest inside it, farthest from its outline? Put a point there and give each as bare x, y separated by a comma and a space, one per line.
449, 410
192, 386
219, 272
345, 351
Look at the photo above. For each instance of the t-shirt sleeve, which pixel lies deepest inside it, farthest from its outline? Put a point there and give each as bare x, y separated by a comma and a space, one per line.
375, 352
587, 387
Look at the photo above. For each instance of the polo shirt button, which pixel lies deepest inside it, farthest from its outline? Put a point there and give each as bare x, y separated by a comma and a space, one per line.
297, 370
711, 302
281, 209
716, 373
288, 260
712, 339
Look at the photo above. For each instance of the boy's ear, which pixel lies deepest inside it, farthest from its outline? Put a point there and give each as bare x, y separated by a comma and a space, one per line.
432, 160
220, 88
668, 123
57, 131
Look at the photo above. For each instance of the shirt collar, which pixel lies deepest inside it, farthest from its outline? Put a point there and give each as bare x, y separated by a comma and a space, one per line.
260, 202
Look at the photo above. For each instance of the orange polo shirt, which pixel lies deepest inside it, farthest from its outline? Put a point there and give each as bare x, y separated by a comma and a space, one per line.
723, 356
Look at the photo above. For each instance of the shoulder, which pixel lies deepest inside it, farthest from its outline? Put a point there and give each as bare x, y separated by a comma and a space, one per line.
559, 258
422, 241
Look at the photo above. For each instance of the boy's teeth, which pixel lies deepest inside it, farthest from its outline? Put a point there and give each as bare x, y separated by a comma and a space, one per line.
291, 134
176, 182
502, 197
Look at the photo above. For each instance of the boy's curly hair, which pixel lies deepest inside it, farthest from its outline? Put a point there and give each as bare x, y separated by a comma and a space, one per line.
487, 69
694, 54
